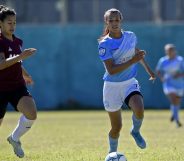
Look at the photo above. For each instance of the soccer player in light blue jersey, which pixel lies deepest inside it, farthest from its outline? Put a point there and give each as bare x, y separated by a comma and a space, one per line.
170, 69
117, 50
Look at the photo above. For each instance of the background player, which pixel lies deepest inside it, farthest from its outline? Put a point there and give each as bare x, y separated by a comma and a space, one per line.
117, 50
170, 70
13, 79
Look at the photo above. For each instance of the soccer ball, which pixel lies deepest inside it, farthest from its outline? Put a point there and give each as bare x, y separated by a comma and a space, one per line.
115, 156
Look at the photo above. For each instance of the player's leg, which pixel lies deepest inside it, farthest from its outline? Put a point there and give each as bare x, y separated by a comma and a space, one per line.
2, 113
116, 125
25, 104
27, 107
175, 102
3, 104
112, 102
136, 104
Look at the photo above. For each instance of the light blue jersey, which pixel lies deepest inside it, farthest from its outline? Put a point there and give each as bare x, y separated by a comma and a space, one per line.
120, 50
170, 67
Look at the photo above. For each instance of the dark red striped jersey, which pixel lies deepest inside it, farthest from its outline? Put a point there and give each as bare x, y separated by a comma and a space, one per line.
11, 78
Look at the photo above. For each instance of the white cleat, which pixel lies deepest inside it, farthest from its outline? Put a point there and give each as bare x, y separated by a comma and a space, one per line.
16, 147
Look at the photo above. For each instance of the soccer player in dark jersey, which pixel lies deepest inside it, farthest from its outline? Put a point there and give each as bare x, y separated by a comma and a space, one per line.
13, 79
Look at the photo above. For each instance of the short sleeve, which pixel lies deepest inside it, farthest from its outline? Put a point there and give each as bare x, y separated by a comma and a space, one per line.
20, 42
159, 65
104, 52
2, 47
182, 65
135, 38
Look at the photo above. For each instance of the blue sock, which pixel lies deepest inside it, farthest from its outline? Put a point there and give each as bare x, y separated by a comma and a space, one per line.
176, 109
113, 143
136, 124
172, 110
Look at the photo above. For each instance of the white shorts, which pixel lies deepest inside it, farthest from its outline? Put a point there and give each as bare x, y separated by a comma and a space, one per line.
167, 90
115, 93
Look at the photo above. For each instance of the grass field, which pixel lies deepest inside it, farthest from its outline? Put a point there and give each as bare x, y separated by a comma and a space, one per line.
82, 136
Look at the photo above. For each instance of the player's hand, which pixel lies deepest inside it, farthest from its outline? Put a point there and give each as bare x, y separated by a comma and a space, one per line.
28, 79
152, 77
139, 54
27, 53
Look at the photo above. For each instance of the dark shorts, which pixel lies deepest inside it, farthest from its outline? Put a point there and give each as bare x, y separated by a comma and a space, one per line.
11, 97
127, 99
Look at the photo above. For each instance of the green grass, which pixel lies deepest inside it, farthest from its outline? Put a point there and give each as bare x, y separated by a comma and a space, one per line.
82, 136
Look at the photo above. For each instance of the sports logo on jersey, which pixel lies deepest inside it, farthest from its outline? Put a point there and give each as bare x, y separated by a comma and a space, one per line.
102, 51
9, 49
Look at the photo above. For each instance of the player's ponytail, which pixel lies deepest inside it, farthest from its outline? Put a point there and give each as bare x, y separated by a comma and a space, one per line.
105, 32
107, 13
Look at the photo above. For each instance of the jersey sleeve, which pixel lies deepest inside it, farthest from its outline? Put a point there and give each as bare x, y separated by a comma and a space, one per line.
2, 47
21, 43
182, 65
135, 38
159, 65
104, 52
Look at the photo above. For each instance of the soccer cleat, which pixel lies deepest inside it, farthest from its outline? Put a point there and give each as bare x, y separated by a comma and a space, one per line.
16, 147
139, 139
178, 124
172, 118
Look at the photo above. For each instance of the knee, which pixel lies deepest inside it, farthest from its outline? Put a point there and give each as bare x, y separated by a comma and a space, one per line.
139, 113
32, 115
116, 128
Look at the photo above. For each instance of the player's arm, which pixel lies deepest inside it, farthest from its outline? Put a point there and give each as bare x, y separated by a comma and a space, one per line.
113, 68
159, 70
160, 75
146, 66
148, 69
27, 77
181, 73
5, 63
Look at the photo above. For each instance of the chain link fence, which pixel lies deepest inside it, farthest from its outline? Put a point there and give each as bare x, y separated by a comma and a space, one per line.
91, 11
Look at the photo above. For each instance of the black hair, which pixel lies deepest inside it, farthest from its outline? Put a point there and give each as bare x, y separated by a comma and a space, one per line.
5, 11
